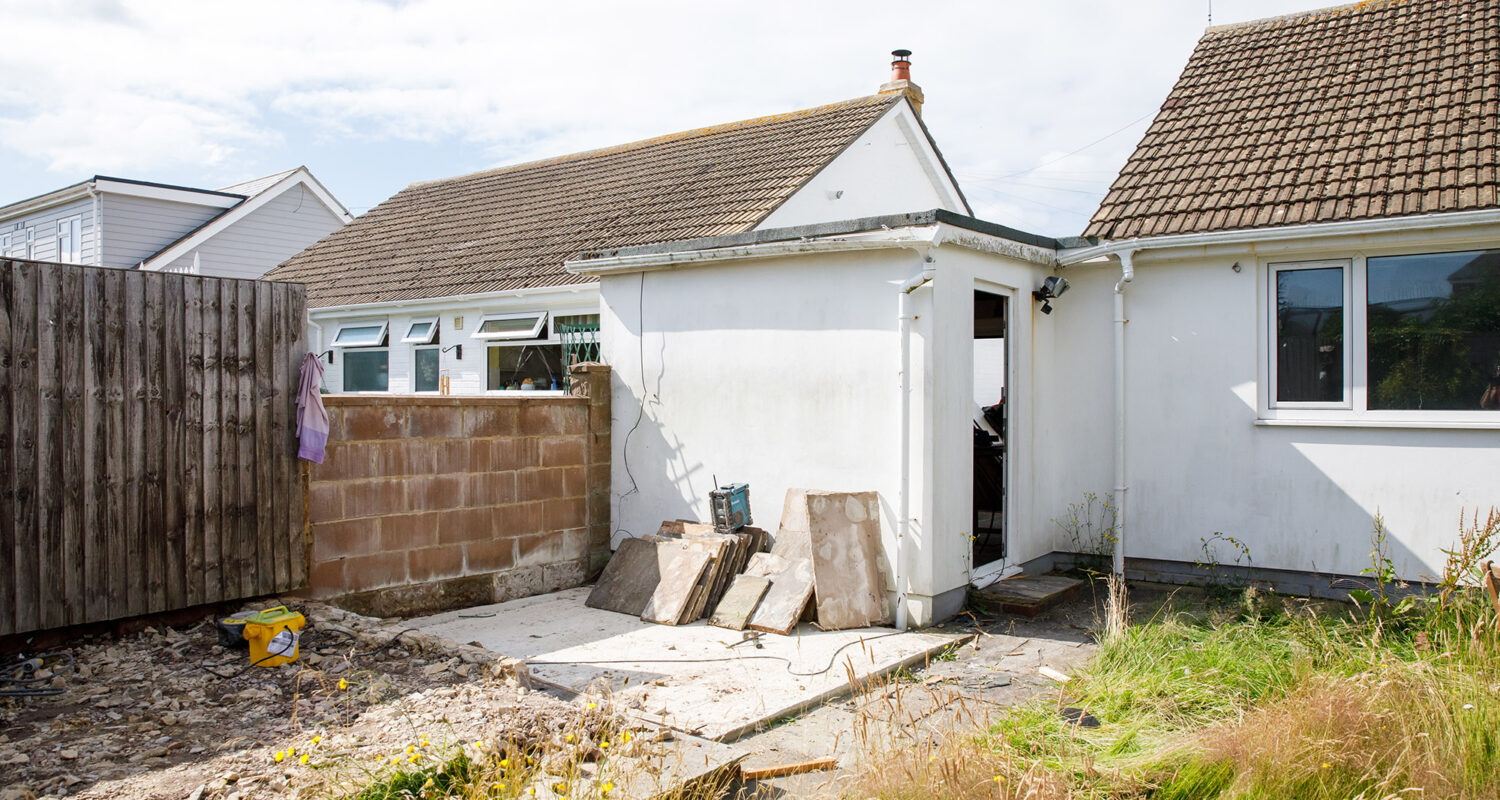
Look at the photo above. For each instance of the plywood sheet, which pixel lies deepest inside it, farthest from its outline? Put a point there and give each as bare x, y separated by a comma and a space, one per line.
675, 590
848, 560
733, 612
628, 579
790, 591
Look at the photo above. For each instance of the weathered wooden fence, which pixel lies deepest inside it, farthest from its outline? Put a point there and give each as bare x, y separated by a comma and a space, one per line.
147, 442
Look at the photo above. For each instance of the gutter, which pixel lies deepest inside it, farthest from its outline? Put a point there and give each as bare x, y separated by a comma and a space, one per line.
1424, 222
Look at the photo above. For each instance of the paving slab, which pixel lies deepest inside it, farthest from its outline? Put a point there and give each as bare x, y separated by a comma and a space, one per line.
703, 680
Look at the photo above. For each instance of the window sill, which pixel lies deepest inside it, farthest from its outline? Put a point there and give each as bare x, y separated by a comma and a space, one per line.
1379, 423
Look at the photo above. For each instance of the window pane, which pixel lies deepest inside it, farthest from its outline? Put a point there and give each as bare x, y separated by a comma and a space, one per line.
426, 372
356, 335
510, 367
1310, 335
1434, 326
420, 331
365, 371
510, 328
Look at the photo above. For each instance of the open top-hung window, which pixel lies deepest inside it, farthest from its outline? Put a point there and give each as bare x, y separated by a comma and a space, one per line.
360, 334
421, 331
511, 326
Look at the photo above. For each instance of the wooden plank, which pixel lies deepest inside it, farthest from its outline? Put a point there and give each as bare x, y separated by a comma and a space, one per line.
7, 465
244, 379
628, 579
50, 576
117, 523
172, 406
279, 437
299, 532
229, 442
137, 550
192, 438
72, 587
265, 399
153, 534
23, 320
733, 612
781, 770
96, 446
212, 464
670, 599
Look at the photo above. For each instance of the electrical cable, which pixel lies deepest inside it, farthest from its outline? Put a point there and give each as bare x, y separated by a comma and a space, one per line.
640, 342
831, 661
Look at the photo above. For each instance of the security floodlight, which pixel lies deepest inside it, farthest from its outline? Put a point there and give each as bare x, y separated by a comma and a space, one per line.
1053, 286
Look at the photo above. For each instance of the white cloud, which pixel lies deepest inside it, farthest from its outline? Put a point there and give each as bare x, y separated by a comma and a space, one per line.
144, 86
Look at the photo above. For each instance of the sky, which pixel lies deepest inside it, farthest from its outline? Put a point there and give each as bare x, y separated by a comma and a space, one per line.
1035, 105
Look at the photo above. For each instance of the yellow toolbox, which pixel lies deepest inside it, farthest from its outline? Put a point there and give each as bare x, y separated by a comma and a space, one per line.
273, 636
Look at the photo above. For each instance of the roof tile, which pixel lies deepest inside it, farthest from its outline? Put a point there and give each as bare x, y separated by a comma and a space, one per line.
1389, 102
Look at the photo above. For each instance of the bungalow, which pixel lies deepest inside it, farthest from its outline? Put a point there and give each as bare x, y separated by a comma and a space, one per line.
238, 231
457, 285
1283, 327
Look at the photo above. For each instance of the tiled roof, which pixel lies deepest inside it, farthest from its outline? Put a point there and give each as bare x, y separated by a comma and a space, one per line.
1378, 109
512, 228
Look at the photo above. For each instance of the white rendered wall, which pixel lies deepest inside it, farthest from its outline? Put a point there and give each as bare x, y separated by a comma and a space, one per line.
1302, 498
467, 376
890, 169
789, 378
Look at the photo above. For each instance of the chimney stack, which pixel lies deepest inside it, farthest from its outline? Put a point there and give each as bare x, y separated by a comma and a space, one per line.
900, 82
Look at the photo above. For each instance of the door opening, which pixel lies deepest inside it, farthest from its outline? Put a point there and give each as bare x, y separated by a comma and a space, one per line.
991, 365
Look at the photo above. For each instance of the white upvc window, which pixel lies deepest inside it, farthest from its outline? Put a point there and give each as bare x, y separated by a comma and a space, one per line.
6, 242
70, 240
30, 243
1405, 338
511, 326
421, 331
361, 334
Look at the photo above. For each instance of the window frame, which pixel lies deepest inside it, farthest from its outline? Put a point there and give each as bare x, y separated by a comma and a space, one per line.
433, 324
74, 227
344, 370
540, 319
1273, 269
436, 348
1356, 413
378, 341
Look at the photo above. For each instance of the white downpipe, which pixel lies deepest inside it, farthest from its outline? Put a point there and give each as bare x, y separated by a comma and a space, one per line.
1122, 485
903, 518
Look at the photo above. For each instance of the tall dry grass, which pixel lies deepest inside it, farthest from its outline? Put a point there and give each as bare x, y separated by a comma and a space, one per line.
1263, 697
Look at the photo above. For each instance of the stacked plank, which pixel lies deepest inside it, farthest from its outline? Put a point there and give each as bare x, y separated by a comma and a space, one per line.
827, 565
676, 576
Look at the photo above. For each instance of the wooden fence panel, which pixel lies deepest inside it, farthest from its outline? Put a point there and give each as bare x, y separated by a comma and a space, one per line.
147, 442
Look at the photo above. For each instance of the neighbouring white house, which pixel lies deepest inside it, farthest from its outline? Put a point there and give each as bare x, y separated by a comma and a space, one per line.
1283, 325
458, 286
239, 231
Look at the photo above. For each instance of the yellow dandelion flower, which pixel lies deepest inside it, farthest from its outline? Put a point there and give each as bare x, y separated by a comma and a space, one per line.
343, 684
317, 738
531, 790
999, 779
394, 759
411, 759
411, 748
606, 788
504, 762
1327, 766
428, 784
568, 738
280, 756
290, 751
604, 743
592, 706
303, 759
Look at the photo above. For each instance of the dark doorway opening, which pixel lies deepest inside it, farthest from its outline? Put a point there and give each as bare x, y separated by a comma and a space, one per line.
991, 371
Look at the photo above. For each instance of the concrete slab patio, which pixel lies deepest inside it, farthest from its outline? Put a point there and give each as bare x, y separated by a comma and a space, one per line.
703, 680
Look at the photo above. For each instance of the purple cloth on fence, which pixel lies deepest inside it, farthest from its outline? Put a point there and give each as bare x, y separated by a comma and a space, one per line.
312, 417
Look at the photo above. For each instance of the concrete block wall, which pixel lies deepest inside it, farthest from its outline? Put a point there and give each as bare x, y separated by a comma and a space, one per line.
428, 502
